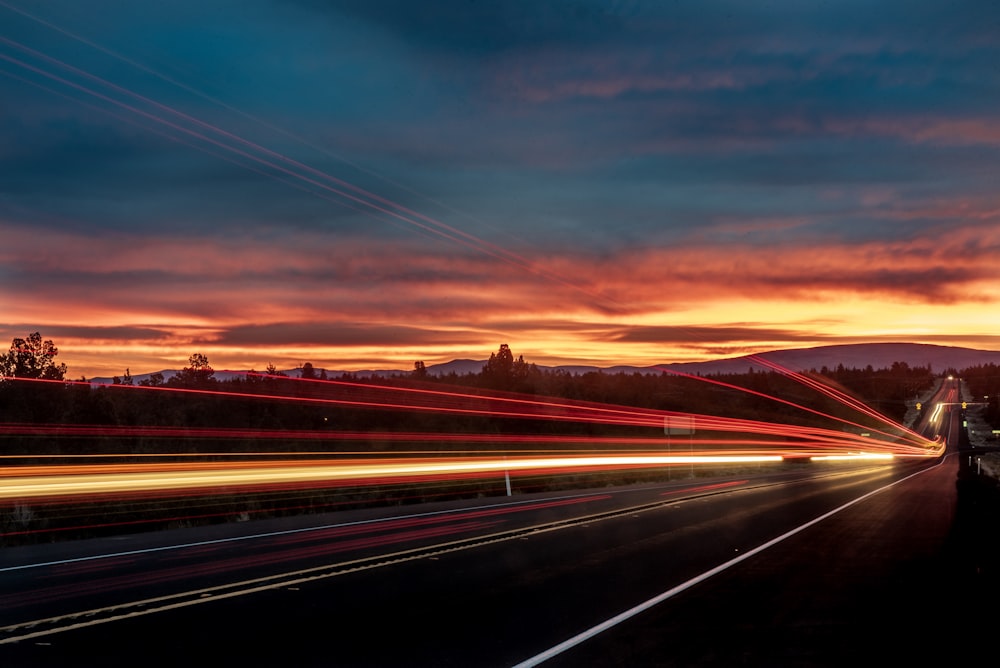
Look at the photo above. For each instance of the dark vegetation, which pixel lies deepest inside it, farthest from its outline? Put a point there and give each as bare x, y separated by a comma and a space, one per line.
318, 416
317, 413
983, 382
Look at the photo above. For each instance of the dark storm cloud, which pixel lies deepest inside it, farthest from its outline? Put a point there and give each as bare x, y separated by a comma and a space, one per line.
481, 28
489, 27
720, 93
710, 335
341, 333
108, 334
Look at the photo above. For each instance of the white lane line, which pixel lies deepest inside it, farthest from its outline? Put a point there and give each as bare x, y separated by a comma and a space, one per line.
219, 592
271, 582
285, 532
670, 593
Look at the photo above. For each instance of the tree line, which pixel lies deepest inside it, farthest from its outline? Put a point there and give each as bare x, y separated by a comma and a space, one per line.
269, 400
984, 385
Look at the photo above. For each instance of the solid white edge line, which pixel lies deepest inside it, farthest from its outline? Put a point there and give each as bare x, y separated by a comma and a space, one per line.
670, 593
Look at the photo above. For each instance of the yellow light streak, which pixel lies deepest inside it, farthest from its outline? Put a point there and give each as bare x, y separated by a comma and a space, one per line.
134, 479
852, 456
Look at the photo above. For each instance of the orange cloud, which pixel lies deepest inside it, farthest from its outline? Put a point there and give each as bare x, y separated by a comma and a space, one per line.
346, 303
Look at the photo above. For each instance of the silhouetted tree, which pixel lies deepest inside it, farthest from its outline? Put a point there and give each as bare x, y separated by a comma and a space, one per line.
153, 380
501, 363
272, 370
308, 372
419, 370
32, 358
123, 380
503, 372
199, 372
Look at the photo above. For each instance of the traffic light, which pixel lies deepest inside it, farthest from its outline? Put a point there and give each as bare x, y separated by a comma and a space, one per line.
964, 405
918, 405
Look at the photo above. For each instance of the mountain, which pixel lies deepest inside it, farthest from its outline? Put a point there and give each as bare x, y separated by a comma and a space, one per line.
459, 367
859, 355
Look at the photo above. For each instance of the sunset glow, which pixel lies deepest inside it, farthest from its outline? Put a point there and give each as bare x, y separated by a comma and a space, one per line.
604, 206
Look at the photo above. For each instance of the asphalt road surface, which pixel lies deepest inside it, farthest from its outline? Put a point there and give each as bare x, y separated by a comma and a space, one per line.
814, 566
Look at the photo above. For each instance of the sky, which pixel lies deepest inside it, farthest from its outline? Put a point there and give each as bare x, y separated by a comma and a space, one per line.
362, 184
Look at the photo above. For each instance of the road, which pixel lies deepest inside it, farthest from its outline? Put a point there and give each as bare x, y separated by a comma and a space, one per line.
813, 566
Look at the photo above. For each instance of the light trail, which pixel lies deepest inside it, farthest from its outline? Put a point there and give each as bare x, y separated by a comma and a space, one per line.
512, 443
625, 418
71, 481
533, 409
703, 421
66, 481
837, 395
376, 524
851, 457
915, 439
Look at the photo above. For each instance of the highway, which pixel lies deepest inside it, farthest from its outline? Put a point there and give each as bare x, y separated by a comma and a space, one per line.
820, 564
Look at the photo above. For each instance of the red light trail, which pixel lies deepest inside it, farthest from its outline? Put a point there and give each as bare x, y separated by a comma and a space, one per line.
499, 406
523, 453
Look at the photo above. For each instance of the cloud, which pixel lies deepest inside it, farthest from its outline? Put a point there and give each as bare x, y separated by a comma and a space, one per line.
631, 171
250, 301
708, 336
479, 29
96, 335
345, 334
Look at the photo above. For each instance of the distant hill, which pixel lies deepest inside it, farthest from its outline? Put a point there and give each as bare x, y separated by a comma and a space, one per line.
860, 355
459, 367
